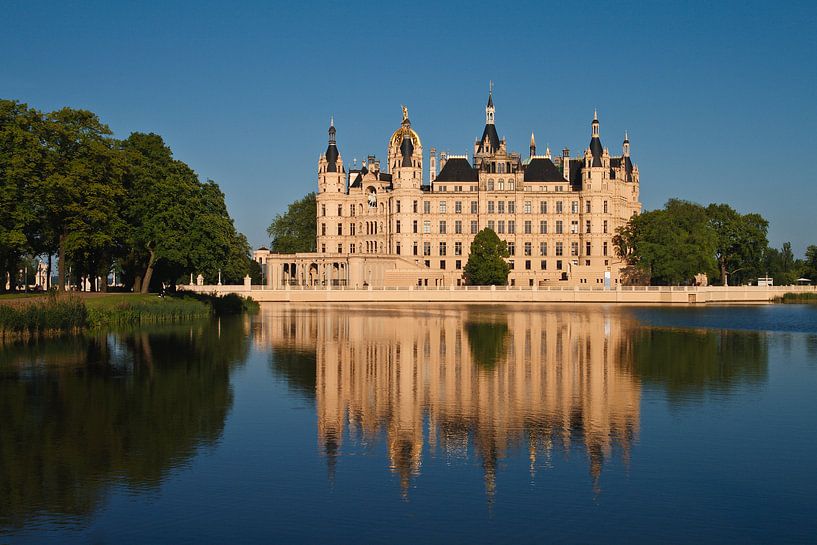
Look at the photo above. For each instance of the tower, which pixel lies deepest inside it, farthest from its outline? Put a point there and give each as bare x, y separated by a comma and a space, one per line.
405, 156
331, 176
432, 165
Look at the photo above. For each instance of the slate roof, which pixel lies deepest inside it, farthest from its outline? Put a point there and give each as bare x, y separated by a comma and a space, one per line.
332, 158
457, 170
407, 149
493, 137
543, 170
596, 151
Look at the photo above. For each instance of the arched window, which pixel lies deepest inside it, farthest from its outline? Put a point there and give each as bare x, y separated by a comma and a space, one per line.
490, 184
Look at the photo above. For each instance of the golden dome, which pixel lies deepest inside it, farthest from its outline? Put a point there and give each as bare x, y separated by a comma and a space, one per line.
405, 129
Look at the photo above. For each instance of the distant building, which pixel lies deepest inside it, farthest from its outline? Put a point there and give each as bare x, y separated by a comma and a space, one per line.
381, 225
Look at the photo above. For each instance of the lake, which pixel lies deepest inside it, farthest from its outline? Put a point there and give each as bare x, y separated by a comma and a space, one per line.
417, 424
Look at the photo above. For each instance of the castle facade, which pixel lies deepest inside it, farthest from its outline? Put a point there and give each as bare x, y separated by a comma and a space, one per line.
405, 226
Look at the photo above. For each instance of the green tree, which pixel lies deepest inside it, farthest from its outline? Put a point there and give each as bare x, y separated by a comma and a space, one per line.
810, 264
740, 241
486, 265
668, 246
294, 231
21, 163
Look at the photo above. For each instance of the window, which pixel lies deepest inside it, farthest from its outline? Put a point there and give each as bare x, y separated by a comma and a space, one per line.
491, 225
426, 226
559, 264
511, 207
352, 229
398, 206
527, 207
511, 226
352, 210
414, 207
427, 264
543, 207
426, 248
490, 207
543, 227
458, 227
501, 207
323, 210
587, 248
352, 248
397, 226
458, 207
458, 248
512, 248
414, 248
340, 229
323, 229
558, 207
559, 228
527, 264
442, 248
574, 248
510, 266
604, 248
604, 227
543, 248
587, 206
574, 207
442, 264
574, 227
528, 249
458, 264
340, 210
442, 227
605, 207
587, 226
397, 248
474, 227
340, 248
442, 207
510, 185
559, 249
426, 207
500, 226
490, 185
543, 265
474, 207
528, 228
323, 248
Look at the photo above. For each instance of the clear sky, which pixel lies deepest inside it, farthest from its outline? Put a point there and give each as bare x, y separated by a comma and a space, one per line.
718, 97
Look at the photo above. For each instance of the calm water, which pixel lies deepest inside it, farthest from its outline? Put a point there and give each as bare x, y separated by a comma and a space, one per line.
416, 425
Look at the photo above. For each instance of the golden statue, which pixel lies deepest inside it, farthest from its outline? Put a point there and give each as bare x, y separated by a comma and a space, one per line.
405, 113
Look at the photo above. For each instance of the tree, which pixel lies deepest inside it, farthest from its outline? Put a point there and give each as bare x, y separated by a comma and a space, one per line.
486, 265
810, 265
668, 246
741, 240
294, 231
21, 162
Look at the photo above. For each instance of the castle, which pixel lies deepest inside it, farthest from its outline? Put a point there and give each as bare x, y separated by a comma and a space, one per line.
385, 227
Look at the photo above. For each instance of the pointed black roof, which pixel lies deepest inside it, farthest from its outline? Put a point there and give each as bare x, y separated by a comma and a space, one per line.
541, 169
596, 151
332, 157
490, 100
457, 169
407, 149
491, 134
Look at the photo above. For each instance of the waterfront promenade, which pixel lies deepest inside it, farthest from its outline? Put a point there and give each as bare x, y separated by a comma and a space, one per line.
509, 294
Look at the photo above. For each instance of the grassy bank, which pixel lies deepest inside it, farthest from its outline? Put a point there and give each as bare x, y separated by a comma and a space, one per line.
70, 312
807, 297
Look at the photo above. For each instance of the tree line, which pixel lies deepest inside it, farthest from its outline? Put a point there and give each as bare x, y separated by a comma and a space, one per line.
672, 245
69, 189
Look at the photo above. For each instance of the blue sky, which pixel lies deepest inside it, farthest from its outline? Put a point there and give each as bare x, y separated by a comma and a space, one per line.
718, 98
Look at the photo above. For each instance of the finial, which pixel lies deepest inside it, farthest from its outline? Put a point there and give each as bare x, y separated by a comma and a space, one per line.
595, 114
532, 140
405, 113
332, 120
626, 138
547, 152
490, 86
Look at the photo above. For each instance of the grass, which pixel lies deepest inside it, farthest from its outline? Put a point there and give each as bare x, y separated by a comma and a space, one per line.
806, 297
50, 314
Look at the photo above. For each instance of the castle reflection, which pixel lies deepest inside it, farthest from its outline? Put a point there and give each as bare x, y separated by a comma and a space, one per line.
464, 381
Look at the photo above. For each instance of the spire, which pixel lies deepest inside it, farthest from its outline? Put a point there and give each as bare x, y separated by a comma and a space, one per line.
595, 141
332, 149
626, 145
532, 145
489, 109
547, 152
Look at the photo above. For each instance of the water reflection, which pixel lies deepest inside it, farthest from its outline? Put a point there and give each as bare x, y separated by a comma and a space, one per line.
465, 381
80, 414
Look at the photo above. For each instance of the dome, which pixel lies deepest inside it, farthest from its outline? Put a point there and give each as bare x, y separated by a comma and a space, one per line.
405, 129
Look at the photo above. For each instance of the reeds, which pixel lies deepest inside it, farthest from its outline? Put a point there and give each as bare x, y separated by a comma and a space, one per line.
42, 316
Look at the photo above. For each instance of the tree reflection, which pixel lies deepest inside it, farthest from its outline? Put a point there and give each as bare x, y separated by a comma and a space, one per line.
81, 413
488, 341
